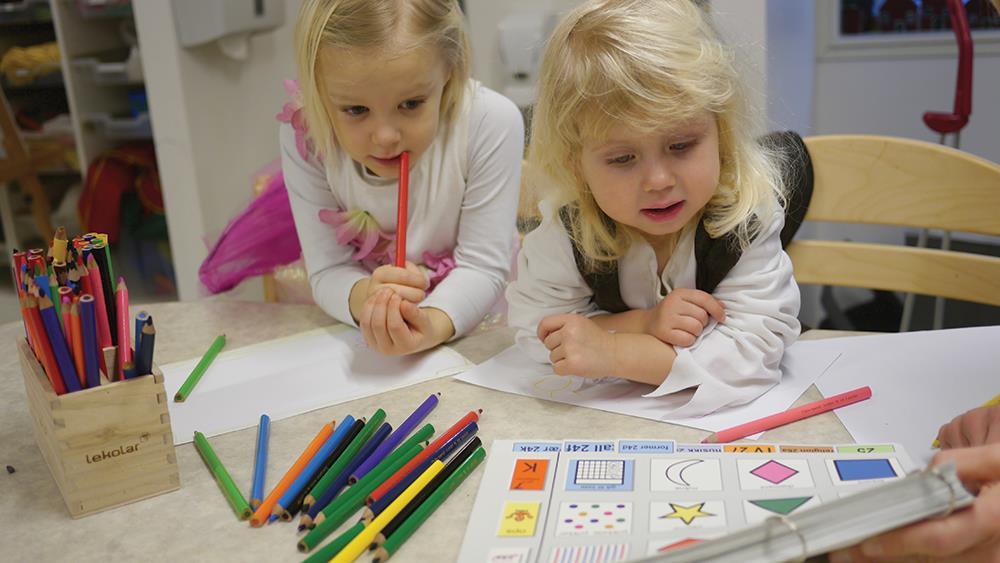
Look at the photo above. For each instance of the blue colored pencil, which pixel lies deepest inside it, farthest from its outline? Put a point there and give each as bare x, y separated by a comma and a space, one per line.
88, 324
140, 320
341, 480
456, 441
396, 437
59, 346
260, 461
293, 490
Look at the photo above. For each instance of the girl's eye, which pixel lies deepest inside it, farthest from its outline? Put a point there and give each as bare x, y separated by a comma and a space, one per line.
355, 110
623, 159
680, 147
411, 104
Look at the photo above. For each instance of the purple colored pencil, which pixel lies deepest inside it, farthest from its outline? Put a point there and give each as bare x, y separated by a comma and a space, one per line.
88, 322
59, 346
449, 447
395, 438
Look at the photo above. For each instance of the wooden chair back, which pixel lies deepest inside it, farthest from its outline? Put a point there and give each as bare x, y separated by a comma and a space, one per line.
901, 182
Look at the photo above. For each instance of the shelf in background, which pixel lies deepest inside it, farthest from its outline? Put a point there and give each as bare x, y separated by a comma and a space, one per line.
25, 12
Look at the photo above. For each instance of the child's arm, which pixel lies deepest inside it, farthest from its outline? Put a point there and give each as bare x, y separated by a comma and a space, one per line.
548, 284
736, 361
487, 226
677, 320
332, 273
580, 346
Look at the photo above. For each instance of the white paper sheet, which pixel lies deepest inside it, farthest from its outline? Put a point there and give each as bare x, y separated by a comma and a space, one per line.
290, 376
513, 372
919, 380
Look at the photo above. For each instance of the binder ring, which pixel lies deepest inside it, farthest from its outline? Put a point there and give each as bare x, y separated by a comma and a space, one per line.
795, 530
951, 492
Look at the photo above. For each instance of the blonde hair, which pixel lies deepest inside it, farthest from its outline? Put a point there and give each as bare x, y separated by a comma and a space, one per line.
397, 25
645, 64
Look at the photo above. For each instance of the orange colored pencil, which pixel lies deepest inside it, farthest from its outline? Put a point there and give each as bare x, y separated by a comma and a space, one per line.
76, 342
402, 206
45, 356
263, 511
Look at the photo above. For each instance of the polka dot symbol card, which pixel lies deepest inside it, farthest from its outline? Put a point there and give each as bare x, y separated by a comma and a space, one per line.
602, 501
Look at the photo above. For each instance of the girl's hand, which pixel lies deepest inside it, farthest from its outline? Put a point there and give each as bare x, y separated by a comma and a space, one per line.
680, 318
409, 283
975, 428
577, 346
396, 327
970, 534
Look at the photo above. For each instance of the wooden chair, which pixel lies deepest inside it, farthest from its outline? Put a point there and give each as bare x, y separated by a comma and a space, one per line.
901, 182
17, 164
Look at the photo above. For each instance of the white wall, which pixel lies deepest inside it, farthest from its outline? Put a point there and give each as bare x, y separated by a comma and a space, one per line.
484, 15
214, 126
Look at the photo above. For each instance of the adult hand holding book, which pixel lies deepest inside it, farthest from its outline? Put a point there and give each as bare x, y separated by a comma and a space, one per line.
970, 534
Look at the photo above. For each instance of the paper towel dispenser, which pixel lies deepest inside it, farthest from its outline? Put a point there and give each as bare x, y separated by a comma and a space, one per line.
228, 22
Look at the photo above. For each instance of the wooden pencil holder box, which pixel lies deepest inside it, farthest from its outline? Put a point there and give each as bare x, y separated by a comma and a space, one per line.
106, 446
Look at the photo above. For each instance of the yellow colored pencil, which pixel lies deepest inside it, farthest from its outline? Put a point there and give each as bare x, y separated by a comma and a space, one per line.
361, 542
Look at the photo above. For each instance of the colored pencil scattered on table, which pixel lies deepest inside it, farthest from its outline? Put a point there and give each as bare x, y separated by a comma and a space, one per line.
260, 461
200, 369
261, 514
222, 477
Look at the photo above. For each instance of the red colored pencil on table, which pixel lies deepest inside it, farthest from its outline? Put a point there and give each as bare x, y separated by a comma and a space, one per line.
124, 340
434, 446
791, 415
401, 208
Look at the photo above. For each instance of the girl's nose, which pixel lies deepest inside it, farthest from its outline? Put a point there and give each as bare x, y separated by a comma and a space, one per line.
658, 175
386, 136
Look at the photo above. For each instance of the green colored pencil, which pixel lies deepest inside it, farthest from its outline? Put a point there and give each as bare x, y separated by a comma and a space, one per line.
392, 460
403, 533
199, 370
371, 425
331, 549
226, 484
354, 498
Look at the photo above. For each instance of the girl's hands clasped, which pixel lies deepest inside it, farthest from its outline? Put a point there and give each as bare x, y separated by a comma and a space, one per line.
680, 318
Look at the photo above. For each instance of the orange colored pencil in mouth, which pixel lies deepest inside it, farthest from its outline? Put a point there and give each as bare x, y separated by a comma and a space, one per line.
404, 188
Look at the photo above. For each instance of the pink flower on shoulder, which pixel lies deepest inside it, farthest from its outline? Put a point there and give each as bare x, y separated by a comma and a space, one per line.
359, 229
292, 114
373, 247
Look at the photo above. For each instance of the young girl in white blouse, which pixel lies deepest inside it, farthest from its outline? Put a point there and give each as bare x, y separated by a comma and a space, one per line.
656, 185
377, 78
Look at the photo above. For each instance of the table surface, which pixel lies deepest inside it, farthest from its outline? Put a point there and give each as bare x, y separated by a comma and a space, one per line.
196, 524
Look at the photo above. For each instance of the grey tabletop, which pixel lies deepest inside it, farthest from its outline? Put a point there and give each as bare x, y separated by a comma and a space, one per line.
196, 524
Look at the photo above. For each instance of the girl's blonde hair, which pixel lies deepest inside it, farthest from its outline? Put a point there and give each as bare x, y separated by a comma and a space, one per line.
397, 26
648, 65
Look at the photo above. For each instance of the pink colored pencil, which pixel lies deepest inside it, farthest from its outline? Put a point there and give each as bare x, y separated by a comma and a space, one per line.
124, 340
101, 308
402, 206
792, 415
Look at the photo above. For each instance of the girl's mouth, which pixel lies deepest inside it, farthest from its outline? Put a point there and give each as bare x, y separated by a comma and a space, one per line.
664, 213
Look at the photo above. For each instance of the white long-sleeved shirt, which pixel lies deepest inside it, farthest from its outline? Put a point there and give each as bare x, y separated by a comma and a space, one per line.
462, 201
731, 363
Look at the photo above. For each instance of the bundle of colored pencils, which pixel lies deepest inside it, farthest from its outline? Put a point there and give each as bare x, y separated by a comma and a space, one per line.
71, 313
392, 480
